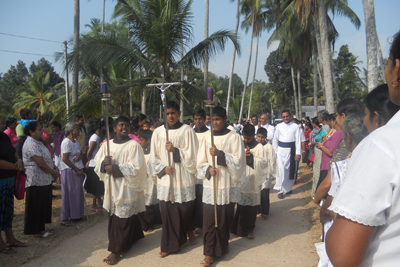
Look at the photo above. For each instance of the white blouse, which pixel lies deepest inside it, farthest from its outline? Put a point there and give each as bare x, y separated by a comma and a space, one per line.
370, 195
67, 146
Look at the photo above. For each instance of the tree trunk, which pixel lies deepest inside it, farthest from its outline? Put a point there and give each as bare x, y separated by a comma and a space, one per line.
182, 77
144, 94
254, 77
130, 96
335, 84
321, 80
248, 70
294, 93
315, 68
370, 33
299, 88
233, 60
206, 52
380, 56
75, 71
319, 50
330, 107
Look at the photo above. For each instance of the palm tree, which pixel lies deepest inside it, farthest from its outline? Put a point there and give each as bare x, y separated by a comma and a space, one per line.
370, 33
75, 72
206, 15
251, 7
37, 95
233, 58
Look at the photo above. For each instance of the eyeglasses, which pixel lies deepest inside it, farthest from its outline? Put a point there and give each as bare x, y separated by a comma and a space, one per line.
285, 117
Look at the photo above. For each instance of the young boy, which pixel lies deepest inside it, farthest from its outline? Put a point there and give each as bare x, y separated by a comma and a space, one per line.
126, 168
229, 171
176, 179
152, 214
256, 173
272, 171
201, 130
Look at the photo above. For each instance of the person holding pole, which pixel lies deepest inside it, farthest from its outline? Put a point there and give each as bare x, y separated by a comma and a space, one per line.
124, 167
173, 153
229, 172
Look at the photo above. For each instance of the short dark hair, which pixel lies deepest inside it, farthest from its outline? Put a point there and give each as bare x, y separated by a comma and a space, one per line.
10, 121
394, 52
378, 100
219, 111
98, 124
200, 112
31, 126
89, 117
350, 105
308, 124
286, 110
135, 126
146, 134
25, 113
146, 123
174, 105
77, 117
262, 131
254, 115
56, 124
121, 119
332, 116
249, 130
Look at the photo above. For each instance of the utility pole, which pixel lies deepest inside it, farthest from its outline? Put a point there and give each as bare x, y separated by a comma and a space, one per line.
272, 113
66, 78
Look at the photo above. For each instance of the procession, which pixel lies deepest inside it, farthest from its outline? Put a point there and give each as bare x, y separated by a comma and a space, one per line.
148, 158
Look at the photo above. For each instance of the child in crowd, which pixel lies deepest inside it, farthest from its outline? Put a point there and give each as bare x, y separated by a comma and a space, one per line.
272, 172
152, 214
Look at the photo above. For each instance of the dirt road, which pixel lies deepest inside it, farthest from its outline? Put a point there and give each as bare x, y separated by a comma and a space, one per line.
283, 239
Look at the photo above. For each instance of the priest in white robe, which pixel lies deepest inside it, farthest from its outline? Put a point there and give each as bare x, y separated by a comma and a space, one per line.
256, 173
175, 183
287, 145
126, 167
230, 166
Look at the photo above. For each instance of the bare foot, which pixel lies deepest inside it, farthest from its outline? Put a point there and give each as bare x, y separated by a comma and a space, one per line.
150, 231
163, 254
264, 216
207, 261
197, 231
250, 236
112, 259
192, 237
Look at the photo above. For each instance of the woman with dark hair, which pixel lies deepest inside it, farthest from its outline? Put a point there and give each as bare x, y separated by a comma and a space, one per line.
93, 183
307, 133
366, 229
140, 119
40, 172
11, 124
9, 165
323, 117
314, 132
72, 198
58, 136
378, 108
135, 128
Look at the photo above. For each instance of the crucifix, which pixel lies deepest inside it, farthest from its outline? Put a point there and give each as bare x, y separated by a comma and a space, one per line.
163, 87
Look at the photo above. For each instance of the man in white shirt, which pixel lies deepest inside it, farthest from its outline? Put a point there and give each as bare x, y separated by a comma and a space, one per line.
264, 123
287, 145
238, 127
207, 122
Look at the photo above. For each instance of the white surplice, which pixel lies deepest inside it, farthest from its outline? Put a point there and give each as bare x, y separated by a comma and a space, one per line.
273, 170
251, 188
287, 133
150, 193
200, 136
126, 192
183, 178
230, 177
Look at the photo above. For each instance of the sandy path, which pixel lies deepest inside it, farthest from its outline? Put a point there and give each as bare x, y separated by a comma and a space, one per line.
281, 240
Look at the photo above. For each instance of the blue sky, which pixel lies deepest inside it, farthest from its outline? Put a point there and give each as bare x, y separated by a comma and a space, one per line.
53, 20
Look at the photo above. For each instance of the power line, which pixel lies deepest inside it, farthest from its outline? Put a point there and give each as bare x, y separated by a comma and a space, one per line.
25, 53
30, 38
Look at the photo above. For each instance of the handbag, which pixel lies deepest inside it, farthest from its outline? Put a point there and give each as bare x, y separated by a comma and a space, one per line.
19, 187
312, 157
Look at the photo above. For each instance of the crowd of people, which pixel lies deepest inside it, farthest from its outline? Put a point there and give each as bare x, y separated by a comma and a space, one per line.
190, 180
